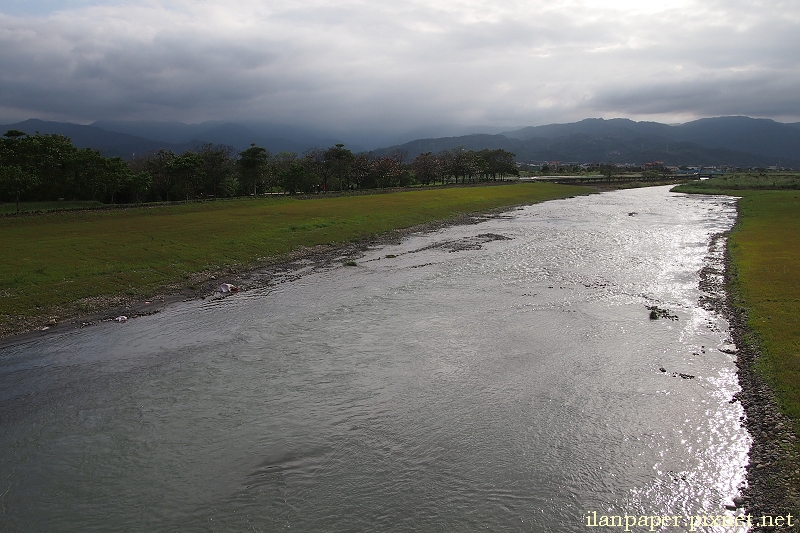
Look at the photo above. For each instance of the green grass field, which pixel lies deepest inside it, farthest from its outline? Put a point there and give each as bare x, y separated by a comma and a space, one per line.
52, 260
765, 249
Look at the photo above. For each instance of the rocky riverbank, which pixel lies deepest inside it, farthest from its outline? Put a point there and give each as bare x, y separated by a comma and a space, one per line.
773, 474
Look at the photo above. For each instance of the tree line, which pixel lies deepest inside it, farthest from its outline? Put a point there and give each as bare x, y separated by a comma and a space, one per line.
48, 167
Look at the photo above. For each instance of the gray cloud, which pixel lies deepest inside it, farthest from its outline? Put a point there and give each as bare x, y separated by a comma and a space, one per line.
753, 94
399, 65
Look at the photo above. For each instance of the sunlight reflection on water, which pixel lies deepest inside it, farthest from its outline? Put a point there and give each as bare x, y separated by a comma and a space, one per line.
511, 385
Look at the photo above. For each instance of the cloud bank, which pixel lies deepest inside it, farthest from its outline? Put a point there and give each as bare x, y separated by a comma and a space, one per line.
392, 66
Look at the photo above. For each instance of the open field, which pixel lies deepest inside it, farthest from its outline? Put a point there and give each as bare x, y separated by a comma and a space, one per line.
53, 262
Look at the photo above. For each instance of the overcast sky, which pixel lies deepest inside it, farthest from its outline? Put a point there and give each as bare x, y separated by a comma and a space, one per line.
399, 64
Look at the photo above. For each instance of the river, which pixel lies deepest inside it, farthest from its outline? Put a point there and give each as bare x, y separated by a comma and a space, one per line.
500, 376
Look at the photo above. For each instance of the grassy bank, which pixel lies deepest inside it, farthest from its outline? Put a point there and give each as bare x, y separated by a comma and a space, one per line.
765, 248
53, 262
765, 251
743, 181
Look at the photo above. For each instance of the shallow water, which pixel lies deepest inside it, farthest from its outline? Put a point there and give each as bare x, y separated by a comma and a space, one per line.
470, 383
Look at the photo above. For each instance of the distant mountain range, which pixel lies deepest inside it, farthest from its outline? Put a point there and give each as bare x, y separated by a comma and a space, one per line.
127, 139
738, 141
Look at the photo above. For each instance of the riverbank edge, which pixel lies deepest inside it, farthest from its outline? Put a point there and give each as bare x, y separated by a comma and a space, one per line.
202, 285
773, 473
184, 283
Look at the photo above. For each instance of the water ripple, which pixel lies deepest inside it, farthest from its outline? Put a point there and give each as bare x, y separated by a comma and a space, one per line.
502, 376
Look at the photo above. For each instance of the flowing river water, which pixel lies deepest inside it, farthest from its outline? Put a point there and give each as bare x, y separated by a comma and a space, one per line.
501, 376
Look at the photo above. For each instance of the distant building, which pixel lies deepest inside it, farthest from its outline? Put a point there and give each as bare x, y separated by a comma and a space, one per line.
653, 165
709, 172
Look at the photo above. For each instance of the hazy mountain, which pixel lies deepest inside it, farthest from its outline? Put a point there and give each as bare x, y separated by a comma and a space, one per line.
593, 127
759, 136
124, 139
278, 137
776, 143
109, 143
585, 148
171, 132
274, 137
740, 141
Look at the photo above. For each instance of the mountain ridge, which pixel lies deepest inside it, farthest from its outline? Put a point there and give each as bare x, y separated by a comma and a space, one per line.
734, 140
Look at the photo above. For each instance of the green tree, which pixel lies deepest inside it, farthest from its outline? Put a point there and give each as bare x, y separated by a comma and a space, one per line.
117, 177
608, 170
500, 163
158, 166
426, 167
15, 134
187, 172
651, 175
15, 182
315, 164
138, 185
253, 165
458, 161
219, 169
89, 177
293, 174
360, 170
48, 157
385, 172
338, 162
